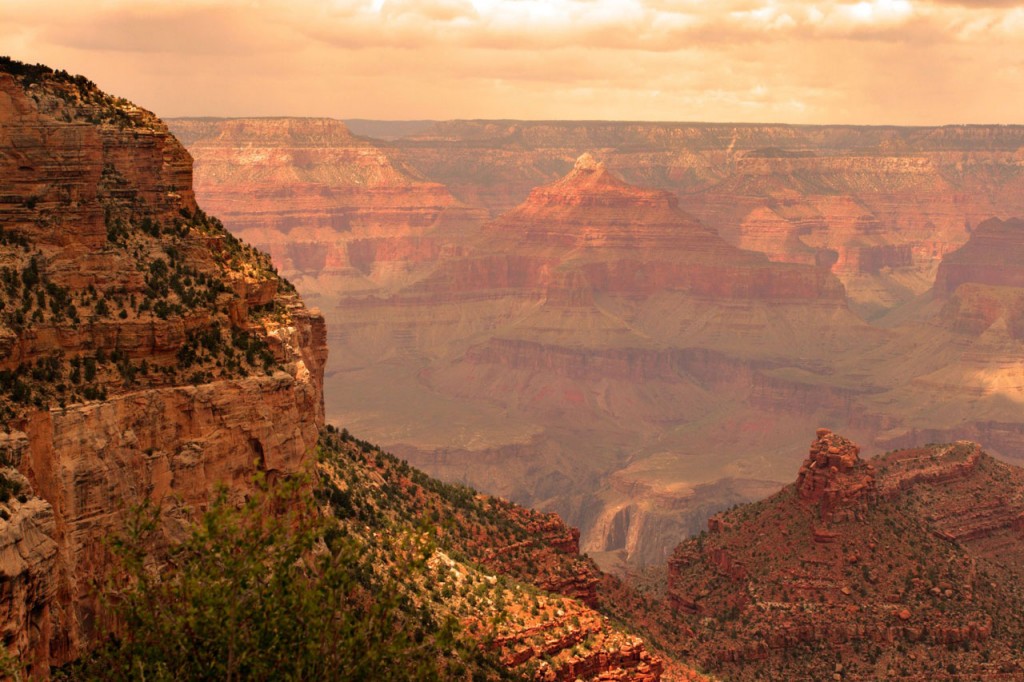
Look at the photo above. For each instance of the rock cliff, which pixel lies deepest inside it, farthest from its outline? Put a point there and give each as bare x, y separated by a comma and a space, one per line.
992, 256
329, 207
145, 352
982, 282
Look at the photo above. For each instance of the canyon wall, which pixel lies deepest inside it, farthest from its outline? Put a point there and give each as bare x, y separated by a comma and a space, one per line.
324, 203
146, 354
629, 323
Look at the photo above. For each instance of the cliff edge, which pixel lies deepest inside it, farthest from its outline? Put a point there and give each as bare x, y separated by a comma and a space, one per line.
145, 353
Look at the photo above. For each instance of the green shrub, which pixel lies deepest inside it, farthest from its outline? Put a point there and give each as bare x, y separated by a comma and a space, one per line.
248, 597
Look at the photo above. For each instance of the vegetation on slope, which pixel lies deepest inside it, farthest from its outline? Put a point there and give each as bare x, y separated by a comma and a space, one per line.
382, 573
267, 592
900, 586
169, 297
171, 288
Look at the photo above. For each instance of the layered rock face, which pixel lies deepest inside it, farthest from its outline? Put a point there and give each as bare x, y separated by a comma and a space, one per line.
146, 354
898, 578
592, 233
880, 205
326, 205
554, 321
992, 257
982, 282
835, 477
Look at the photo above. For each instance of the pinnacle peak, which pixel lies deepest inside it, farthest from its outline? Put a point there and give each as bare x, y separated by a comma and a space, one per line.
586, 163
834, 475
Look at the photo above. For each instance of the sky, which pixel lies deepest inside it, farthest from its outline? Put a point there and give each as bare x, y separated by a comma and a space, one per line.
906, 62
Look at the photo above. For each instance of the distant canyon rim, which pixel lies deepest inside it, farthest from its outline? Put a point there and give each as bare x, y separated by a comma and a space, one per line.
637, 324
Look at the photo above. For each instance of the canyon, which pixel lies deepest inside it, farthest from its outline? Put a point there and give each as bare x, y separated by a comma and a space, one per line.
633, 324
594, 344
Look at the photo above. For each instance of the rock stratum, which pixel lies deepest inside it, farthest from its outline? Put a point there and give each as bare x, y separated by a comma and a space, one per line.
632, 323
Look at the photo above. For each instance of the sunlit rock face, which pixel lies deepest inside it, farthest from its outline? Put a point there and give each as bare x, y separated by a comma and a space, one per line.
632, 324
147, 354
319, 200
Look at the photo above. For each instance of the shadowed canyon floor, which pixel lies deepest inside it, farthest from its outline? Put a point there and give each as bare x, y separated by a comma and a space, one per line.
634, 324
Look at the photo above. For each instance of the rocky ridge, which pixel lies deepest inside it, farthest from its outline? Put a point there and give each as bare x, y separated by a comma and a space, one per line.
489, 560
862, 570
982, 282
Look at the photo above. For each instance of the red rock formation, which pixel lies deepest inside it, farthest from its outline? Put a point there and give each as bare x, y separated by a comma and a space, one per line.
28, 563
994, 256
162, 357
772, 585
319, 200
983, 281
625, 240
533, 560
835, 478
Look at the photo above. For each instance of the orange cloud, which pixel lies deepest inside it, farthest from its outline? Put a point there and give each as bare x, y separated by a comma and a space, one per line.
866, 61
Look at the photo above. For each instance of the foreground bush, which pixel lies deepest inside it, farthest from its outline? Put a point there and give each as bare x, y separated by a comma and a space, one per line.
269, 591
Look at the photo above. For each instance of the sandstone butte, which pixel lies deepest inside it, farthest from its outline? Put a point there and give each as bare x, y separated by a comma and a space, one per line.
613, 361
148, 354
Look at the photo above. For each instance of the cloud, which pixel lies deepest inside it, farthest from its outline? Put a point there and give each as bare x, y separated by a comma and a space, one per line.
195, 29
980, 4
900, 61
